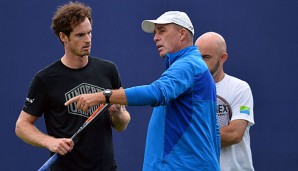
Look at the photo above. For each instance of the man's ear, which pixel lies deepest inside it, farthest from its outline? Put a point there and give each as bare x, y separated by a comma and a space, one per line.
223, 57
62, 37
183, 33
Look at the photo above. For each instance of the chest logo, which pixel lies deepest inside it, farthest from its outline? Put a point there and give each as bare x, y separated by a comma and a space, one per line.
83, 88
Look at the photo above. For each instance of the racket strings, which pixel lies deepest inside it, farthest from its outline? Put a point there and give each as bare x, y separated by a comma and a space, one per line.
223, 112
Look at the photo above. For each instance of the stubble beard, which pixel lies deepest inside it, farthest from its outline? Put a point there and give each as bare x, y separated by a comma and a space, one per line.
214, 71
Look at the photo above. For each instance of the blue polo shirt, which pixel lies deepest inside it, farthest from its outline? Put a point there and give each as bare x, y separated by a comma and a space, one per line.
183, 132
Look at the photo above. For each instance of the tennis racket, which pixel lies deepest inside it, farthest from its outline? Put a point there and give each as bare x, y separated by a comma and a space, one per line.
224, 112
95, 115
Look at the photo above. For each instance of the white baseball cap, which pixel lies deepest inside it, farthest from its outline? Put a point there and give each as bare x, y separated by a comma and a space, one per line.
176, 17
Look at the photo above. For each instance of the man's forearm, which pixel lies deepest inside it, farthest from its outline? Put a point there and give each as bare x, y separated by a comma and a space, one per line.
117, 97
31, 135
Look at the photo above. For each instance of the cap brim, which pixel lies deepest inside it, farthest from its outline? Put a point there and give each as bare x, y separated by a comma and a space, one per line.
148, 26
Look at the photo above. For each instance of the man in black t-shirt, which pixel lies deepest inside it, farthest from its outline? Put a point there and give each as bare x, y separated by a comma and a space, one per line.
75, 73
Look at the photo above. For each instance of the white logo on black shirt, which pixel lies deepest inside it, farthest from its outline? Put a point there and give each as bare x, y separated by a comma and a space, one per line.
83, 88
29, 100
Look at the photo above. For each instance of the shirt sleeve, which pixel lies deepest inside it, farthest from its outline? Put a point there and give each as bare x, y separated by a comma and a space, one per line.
242, 106
36, 98
172, 83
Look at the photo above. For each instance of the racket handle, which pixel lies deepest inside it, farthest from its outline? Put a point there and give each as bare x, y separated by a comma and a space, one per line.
47, 165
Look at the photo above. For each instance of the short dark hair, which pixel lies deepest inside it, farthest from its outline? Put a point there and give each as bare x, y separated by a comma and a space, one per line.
69, 16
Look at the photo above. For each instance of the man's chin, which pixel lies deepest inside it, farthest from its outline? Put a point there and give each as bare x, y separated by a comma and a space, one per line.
85, 54
162, 55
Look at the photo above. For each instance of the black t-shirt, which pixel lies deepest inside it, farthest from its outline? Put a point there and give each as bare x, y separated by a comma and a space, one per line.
51, 88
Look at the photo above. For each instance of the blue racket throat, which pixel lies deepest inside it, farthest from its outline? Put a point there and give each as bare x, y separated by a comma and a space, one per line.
47, 165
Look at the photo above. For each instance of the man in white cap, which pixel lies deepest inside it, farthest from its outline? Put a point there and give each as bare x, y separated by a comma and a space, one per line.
183, 132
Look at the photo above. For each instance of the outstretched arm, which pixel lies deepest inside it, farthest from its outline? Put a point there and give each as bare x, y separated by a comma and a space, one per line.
29, 133
119, 115
85, 101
